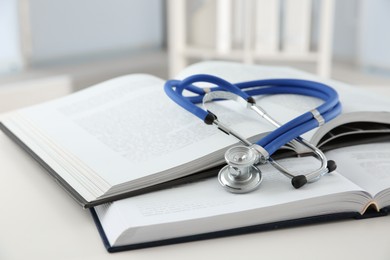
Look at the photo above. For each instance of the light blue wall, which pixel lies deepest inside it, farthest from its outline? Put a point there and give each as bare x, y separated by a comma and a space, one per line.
10, 53
63, 30
375, 34
362, 34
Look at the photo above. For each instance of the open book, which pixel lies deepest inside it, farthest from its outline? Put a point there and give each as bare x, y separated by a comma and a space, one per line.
201, 210
123, 136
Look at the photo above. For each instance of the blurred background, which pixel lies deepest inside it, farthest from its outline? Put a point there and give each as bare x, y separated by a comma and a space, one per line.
49, 48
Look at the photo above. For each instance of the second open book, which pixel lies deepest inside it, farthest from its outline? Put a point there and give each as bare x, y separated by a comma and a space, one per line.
200, 210
125, 135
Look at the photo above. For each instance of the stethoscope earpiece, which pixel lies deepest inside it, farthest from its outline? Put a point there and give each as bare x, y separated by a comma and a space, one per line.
298, 181
331, 165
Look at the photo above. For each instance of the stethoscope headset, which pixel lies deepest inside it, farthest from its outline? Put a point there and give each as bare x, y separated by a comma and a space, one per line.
242, 173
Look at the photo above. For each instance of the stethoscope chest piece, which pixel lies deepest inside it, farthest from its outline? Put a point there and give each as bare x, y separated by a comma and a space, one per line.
240, 175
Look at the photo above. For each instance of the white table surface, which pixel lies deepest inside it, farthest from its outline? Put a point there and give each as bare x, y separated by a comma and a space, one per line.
38, 220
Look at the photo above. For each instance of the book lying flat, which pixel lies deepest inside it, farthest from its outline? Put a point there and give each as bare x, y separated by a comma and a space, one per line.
359, 188
125, 136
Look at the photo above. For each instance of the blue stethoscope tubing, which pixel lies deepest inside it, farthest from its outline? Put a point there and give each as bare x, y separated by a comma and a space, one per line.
330, 108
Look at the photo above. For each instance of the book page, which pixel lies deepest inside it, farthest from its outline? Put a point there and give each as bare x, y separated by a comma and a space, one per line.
205, 206
366, 165
128, 128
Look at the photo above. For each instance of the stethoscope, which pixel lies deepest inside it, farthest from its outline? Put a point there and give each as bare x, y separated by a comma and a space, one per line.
242, 173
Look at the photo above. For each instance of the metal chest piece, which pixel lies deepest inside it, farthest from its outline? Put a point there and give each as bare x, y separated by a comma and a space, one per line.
240, 175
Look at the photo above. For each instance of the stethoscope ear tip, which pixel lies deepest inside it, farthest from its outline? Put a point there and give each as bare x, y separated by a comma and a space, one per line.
298, 181
331, 165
